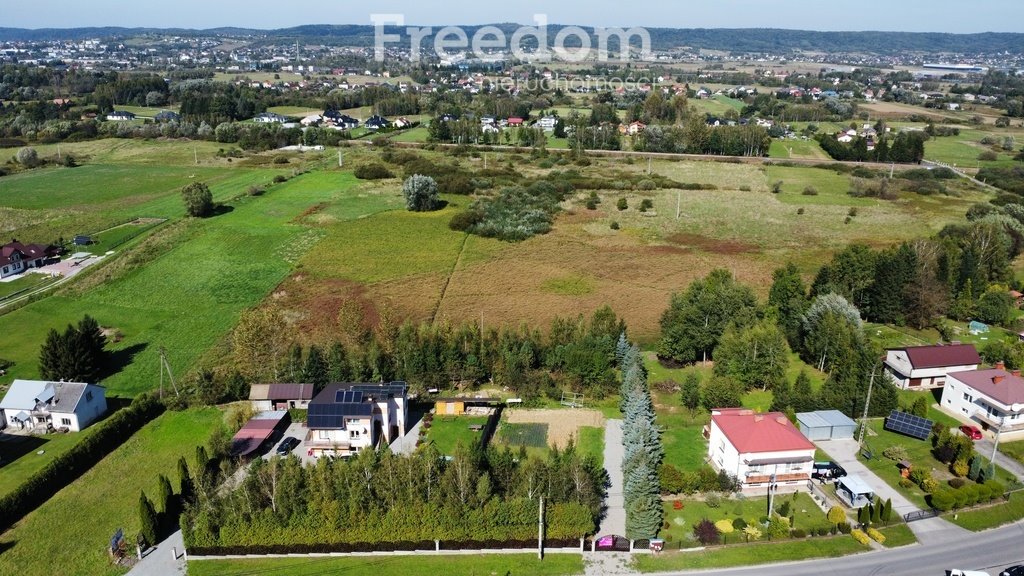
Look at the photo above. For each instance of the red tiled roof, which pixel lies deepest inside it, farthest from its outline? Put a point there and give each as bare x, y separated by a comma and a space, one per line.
939, 356
750, 432
1009, 389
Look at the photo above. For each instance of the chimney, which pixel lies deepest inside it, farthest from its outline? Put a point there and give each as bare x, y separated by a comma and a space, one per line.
758, 417
781, 419
997, 379
1000, 365
1016, 373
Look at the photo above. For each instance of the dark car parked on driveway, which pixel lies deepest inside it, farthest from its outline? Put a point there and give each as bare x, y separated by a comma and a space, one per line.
827, 471
287, 445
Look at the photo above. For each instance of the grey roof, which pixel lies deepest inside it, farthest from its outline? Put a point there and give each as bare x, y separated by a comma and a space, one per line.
22, 395
824, 418
69, 394
855, 485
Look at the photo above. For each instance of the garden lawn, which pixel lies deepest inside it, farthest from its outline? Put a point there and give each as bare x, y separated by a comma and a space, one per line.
805, 512
685, 446
920, 455
990, 516
898, 535
27, 281
447, 432
418, 565
591, 443
21, 459
73, 528
760, 553
1014, 450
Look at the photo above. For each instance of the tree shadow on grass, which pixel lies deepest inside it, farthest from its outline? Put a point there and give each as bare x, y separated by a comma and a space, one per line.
119, 359
13, 447
220, 210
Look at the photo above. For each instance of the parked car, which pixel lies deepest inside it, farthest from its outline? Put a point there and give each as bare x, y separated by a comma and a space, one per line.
287, 445
827, 471
966, 573
971, 432
1013, 571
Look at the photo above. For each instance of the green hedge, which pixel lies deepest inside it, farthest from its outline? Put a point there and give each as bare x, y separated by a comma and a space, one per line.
67, 467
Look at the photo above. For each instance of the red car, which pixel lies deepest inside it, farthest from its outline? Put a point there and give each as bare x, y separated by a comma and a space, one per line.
971, 432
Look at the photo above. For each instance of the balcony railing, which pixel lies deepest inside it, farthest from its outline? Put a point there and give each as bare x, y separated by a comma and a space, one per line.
995, 423
765, 478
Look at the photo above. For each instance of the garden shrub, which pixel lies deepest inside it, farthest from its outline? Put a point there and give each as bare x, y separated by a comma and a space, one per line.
860, 537
724, 526
706, 532
876, 535
647, 185
957, 482
798, 533
810, 191
895, 453
739, 524
713, 501
372, 171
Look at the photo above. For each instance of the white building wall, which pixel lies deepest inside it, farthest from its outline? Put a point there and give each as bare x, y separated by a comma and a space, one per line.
725, 456
964, 400
901, 371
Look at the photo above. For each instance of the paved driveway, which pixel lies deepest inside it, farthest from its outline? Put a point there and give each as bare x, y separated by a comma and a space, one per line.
614, 521
844, 452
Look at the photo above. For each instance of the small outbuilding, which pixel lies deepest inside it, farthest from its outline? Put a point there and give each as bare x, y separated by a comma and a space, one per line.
854, 491
826, 425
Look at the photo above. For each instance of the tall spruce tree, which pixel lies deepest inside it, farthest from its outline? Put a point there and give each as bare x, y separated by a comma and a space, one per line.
147, 520
642, 451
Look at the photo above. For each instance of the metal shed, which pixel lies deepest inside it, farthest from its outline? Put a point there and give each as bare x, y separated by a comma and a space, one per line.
826, 425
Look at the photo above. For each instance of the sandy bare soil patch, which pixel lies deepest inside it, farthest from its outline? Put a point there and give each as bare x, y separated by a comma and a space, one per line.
562, 424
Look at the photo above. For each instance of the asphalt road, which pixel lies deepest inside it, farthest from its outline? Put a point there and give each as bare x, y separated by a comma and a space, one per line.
991, 551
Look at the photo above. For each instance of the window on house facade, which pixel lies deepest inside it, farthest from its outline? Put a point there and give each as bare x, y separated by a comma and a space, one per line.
968, 397
65, 421
324, 435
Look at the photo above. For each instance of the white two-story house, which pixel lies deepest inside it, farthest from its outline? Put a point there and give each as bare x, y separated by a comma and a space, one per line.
759, 448
31, 404
343, 419
993, 397
926, 367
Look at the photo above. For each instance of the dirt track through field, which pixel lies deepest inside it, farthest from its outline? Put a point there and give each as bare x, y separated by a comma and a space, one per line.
562, 424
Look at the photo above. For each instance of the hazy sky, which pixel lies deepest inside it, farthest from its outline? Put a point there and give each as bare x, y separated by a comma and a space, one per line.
907, 15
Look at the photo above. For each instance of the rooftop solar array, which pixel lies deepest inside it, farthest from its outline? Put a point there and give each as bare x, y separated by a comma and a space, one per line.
909, 425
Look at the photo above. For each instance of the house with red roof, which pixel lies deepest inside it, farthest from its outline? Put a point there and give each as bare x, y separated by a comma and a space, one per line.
758, 449
926, 367
994, 397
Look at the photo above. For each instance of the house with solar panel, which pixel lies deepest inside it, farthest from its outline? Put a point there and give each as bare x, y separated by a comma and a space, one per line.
926, 367
344, 419
760, 450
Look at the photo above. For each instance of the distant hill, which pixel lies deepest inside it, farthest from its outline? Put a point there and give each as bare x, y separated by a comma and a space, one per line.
772, 40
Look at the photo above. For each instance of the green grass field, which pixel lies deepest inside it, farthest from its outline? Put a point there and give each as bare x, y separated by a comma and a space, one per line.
231, 262
898, 535
73, 528
447, 432
21, 459
591, 442
24, 282
418, 565
1014, 450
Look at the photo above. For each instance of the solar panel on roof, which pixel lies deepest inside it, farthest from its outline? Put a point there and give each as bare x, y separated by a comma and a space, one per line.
909, 425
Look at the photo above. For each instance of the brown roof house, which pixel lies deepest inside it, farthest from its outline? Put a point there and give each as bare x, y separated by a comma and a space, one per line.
16, 257
993, 397
280, 396
925, 367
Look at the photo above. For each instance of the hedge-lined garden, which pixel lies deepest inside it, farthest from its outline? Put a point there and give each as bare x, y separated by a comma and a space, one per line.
67, 467
383, 498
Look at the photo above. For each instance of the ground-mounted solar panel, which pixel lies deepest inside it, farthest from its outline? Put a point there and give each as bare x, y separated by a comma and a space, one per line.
909, 425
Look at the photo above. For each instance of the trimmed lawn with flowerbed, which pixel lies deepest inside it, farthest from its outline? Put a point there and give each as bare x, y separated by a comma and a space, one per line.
898, 535
679, 533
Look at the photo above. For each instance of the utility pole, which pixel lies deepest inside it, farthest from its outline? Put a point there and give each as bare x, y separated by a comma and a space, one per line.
540, 530
772, 488
341, 161
164, 365
648, 165
679, 202
195, 152
867, 403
